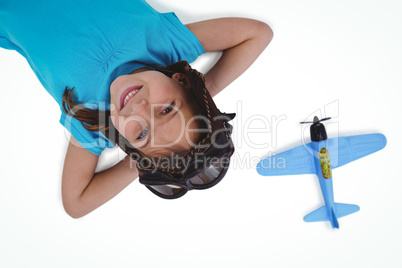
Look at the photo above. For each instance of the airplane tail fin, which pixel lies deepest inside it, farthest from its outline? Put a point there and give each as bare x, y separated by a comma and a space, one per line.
342, 210
337, 211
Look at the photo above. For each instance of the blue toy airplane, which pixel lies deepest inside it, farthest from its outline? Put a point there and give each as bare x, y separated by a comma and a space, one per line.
314, 158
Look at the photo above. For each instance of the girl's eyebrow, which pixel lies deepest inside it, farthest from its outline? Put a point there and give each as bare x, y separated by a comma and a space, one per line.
151, 130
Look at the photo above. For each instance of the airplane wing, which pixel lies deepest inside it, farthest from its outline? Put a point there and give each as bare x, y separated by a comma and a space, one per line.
343, 150
296, 161
300, 160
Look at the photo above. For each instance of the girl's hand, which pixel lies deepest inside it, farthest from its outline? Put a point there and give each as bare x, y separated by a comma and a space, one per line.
241, 40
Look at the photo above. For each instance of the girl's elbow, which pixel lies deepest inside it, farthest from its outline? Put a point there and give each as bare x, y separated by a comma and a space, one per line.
265, 32
72, 210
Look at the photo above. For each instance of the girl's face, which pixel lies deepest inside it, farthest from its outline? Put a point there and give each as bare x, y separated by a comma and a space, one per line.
151, 110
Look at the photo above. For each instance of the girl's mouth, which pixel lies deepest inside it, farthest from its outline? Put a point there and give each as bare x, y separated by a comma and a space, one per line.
128, 94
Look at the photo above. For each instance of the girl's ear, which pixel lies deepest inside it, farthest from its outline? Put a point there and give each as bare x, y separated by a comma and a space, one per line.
181, 78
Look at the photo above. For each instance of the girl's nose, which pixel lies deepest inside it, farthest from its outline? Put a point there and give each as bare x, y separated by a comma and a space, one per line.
138, 106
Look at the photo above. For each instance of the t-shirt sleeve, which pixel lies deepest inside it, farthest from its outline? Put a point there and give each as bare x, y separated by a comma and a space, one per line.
185, 45
95, 142
4, 43
7, 44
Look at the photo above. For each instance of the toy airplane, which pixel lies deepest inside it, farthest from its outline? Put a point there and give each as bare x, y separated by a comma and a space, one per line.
314, 158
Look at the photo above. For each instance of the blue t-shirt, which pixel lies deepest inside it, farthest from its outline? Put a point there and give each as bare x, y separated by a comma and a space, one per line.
86, 44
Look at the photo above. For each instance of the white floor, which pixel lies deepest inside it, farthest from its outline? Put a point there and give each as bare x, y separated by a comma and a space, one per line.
328, 58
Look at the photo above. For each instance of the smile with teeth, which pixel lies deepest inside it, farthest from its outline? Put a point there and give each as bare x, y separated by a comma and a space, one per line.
130, 95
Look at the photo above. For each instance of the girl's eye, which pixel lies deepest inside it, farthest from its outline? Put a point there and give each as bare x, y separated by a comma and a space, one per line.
143, 134
168, 109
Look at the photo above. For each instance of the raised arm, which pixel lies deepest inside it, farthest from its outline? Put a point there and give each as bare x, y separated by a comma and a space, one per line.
83, 190
241, 40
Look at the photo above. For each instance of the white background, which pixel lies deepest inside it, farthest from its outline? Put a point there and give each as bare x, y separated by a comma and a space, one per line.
328, 58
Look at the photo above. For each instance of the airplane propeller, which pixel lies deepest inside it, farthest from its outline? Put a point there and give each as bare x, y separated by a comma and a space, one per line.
316, 120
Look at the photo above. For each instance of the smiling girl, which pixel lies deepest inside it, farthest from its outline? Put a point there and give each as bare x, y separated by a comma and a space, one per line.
106, 61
